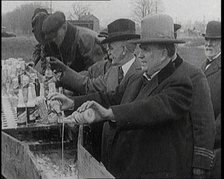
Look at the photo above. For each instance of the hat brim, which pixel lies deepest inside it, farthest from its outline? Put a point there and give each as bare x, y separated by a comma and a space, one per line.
122, 37
211, 37
156, 41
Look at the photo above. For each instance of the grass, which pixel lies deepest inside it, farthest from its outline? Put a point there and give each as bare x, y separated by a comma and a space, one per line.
23, 46
18, 47
193, 55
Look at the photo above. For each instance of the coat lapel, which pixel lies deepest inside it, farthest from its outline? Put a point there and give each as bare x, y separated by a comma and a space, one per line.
150, 86
214, 67
112, 80
134, 69
156, 83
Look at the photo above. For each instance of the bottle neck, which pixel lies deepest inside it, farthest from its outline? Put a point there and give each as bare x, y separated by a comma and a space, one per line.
21, 99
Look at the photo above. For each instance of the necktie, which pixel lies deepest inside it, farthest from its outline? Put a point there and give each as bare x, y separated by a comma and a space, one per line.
120, 74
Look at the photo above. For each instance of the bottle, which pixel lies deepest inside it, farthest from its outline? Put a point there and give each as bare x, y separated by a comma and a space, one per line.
89, 115
37, 86
52, 87
31, 110
25, 84
42, 90
48, 75
21, 110
41, 105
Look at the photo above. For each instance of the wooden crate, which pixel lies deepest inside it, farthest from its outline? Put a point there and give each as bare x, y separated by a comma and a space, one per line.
88, 166
22, 146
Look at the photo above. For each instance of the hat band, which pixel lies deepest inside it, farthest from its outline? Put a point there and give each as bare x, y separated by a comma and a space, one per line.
157, 35
114, 34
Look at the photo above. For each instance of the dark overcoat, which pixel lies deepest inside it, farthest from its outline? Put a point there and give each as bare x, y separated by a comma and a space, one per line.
152, 136
213, 74
202, 116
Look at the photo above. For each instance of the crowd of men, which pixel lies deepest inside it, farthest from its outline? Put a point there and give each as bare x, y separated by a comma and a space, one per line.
156, 115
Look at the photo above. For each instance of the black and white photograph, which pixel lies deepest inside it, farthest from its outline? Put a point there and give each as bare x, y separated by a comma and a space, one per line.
111, 89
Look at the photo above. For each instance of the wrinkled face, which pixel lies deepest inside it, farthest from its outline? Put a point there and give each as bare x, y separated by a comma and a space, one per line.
115, 50
151, 57
60, 36
212, 47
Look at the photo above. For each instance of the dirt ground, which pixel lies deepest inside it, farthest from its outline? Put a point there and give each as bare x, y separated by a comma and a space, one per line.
23, 46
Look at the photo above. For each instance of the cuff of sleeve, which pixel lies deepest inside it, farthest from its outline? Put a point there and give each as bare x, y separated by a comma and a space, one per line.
203, 158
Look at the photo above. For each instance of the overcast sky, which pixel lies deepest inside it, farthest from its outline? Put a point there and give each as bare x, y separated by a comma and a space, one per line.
107, 11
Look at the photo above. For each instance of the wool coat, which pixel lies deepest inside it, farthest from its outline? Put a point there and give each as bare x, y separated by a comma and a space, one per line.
151, 135
213, 74
202, 116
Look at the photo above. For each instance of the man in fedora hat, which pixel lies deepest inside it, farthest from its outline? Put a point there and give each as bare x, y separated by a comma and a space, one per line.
147, 130
212, 70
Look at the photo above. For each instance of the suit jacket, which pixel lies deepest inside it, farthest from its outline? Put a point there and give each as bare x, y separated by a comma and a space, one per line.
103, 83
202, 116
97, 69
152, 133
213, 74
79, 50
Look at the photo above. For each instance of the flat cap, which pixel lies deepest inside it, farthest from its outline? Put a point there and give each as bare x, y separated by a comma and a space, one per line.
52, 23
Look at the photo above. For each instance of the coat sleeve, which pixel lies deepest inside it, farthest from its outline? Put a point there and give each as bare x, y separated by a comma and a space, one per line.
203, 120
218, 131
83, 84
170, 104
105, 99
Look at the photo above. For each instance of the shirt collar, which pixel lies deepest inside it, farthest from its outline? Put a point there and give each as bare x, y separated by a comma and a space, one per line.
215, 56
150, 77
127, 65
174, 57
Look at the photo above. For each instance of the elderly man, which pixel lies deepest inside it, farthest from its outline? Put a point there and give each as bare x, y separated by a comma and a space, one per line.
212, 70
121, 52
147, 129
76, 47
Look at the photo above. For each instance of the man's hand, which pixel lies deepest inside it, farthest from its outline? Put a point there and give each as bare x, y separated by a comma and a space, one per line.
66, 102
57, 64
101, 113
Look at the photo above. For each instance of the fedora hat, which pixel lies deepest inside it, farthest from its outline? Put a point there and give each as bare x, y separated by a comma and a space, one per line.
157, 28
120, 30
213, 30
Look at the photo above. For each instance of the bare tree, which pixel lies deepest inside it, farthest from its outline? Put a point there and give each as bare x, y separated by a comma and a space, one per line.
145, 7
79, 9
19, 20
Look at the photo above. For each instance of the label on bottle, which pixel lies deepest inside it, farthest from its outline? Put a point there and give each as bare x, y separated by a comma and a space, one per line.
31, 114
21, 115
